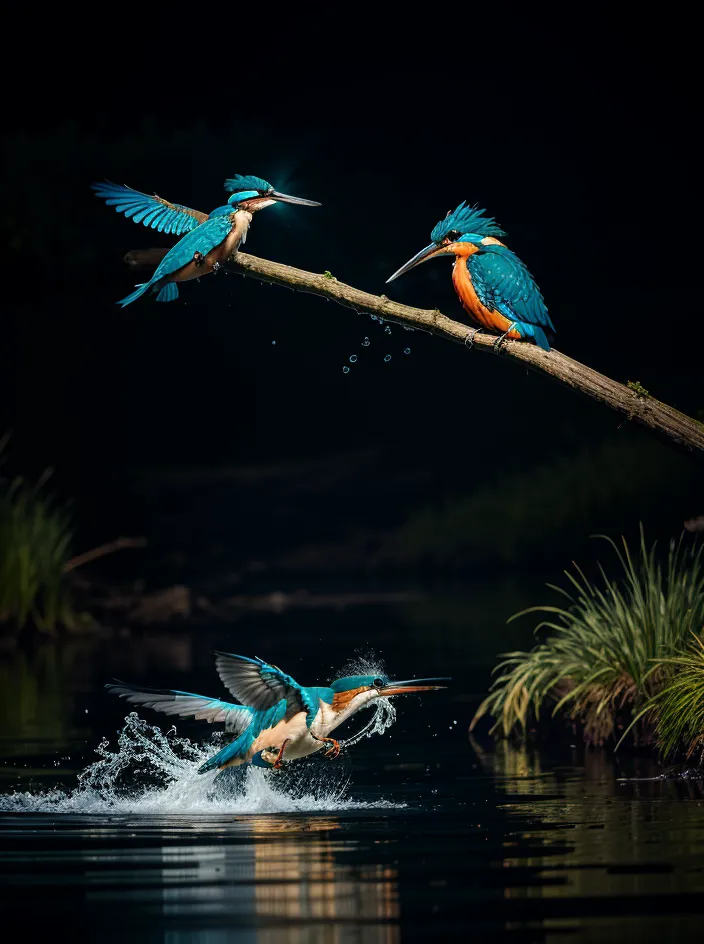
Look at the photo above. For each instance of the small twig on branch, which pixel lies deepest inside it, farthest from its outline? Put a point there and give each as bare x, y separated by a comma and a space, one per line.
117, 545
631, 400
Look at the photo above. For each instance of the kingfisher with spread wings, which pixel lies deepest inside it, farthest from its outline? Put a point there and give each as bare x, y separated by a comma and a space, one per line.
277, 718
207, 239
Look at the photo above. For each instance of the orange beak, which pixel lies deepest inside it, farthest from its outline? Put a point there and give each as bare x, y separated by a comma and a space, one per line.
413, 685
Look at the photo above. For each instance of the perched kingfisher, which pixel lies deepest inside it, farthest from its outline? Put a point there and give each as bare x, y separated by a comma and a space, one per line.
277, 717
495, 287
207, 239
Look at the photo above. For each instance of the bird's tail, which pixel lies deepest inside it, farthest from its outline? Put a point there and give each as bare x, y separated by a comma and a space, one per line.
169, 293
232, 755
535, 332
133, 296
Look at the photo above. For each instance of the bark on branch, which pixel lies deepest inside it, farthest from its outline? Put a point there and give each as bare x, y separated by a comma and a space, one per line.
634, 403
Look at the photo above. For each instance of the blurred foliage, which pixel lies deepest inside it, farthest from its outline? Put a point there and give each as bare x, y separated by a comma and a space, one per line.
608, 647
522, 515
35, 539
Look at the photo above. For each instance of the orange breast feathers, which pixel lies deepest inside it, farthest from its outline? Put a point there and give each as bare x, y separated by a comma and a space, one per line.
342, 699
461, 279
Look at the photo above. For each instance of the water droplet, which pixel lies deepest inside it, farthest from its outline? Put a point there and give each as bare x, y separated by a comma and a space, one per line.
365, 342
387, 329
373, 317
381, 320
353, 358
387, 358
406, 350
345, 370
273, 342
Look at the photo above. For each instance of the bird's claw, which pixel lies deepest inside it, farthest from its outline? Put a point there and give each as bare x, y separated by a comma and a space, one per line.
471, 335
496, 347
216, 267
333, 751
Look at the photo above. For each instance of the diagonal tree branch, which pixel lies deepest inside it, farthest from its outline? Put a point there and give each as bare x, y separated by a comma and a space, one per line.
633, 402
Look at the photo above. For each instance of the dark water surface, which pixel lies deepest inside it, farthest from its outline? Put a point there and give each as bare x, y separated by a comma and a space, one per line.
414, 835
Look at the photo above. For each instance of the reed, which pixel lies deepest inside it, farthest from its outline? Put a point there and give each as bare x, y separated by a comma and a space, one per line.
606, 651
35, 539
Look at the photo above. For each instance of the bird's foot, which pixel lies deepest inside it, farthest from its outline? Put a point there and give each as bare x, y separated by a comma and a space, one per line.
280, 756
216, 267
333, 751
471, 335
499, 341
198, 259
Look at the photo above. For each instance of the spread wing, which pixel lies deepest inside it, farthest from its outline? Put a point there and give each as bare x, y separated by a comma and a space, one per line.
155, 212
202, 239
260, 685
236, 718
503, 283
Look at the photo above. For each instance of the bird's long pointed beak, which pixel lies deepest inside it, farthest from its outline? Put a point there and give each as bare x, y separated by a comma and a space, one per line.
286, 198
413, 685
428, 253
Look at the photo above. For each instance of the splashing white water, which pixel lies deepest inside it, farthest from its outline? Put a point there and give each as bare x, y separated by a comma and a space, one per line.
153, 772
368, 663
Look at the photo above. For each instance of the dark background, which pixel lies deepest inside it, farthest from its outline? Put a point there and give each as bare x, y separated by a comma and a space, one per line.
185, 422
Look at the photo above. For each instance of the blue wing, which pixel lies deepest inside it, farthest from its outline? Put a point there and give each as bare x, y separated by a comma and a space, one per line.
263, 686
202, 239
154, 211
503, 283
236, 718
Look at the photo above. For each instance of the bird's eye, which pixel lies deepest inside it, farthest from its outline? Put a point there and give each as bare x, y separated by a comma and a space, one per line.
452, 235
378, 683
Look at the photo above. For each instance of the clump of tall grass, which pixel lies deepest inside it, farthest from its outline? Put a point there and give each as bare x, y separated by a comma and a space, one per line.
35, 539
677, 711
602, 659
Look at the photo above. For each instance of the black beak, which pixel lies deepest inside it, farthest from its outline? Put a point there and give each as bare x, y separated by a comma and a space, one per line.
285, 198
430, 252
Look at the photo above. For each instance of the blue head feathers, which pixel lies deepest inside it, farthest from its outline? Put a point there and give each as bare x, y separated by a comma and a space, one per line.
466, 220
238, 182
242, 195
351, 682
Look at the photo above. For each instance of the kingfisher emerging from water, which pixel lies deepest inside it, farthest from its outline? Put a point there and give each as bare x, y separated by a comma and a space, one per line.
496, 289
207, 239
278, 718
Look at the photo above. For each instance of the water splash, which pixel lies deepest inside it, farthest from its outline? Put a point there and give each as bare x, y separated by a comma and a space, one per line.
156, 772
368, 663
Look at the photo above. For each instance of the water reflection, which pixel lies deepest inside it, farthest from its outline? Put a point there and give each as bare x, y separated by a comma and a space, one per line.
269, 878
625, 844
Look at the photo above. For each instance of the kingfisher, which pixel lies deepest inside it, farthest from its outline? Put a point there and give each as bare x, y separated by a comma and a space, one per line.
496, 289
207, 239
277, 718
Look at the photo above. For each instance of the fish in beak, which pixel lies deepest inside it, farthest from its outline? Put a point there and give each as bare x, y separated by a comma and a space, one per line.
430, 252
286, 198
413, 685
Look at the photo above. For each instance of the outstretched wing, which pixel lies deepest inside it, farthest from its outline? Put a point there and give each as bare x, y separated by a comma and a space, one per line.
260, 685
503, 283
155, 212
236, 718
202, 239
